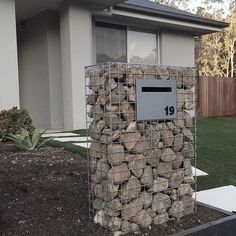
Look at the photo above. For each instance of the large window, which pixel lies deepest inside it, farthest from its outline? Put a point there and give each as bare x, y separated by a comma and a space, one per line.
110, 43
114, 43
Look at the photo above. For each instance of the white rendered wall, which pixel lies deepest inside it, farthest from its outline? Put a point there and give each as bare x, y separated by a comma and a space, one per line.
9, 84
40, 70
177, 49
76, 49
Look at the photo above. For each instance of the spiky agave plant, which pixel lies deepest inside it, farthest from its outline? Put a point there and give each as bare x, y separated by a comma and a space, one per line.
26, 141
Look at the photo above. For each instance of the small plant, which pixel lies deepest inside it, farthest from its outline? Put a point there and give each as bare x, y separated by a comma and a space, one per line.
13, 120
24, 140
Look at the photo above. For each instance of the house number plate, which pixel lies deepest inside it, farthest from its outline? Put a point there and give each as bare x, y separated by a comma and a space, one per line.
155, 99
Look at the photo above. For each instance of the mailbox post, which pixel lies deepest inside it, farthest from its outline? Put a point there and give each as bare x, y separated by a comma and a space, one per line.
143, 144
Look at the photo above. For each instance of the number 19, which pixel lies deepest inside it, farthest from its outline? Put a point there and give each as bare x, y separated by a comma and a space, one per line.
170, 110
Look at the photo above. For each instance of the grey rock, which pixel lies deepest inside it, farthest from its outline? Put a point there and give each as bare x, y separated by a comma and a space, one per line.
188, 136
112, 120
147, 177
97, 204
102, 97
184, 189
131, 209
130, 189
159, 185
116, 154
143, 219
131, 94
95, 150
153, 136
132, 127
164, 170
109, 190
167, 137
189, 180
161, 219
130, 139
98, 191
153, 158
117, 95
187, 167
142, 147
151, 212
128, 111
147, 199
137, 164
114, 223
91, 99
189, 204
178, 161
181, 98
160, 203
125, 226
178, 142
96, 112
179, 121
134, 227
168, 155
112, 108
188, 150
102, 169
177, 209
118, 174
187, 120
176, 179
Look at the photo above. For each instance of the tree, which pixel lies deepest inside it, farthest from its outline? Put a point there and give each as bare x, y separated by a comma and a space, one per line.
215, 53
180, 4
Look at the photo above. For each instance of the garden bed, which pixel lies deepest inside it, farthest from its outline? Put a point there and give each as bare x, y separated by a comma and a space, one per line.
45, 193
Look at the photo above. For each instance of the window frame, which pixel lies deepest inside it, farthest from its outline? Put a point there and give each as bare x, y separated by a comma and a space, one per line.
127, 28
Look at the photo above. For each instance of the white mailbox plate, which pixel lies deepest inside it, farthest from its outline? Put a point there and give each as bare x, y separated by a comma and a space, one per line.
155, 99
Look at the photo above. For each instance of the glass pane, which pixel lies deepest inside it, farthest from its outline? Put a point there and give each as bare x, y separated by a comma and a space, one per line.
142, 47
110, 43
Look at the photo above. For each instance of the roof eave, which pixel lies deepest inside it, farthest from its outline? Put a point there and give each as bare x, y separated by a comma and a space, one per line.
169, 15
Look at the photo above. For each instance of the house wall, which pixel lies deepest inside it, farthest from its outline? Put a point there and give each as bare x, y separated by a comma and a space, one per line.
40, 70
9, 88
76, 48
176, 49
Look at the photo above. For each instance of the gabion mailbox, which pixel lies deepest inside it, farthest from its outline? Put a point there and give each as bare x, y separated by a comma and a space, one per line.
140, 170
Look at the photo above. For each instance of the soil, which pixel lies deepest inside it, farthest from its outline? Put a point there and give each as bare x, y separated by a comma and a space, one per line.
45, 192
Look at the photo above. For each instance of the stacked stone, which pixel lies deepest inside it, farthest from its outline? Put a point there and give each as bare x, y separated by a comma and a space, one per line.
140, 172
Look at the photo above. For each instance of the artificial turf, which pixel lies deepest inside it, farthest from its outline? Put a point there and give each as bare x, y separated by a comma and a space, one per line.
216, 151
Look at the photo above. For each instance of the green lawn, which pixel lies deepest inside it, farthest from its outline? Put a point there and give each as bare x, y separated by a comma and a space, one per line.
216, 142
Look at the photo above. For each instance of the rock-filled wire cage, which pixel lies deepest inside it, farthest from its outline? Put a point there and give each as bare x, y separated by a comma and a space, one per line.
140, 172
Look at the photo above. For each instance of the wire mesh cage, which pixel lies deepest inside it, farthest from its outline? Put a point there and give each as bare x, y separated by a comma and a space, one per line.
140, 172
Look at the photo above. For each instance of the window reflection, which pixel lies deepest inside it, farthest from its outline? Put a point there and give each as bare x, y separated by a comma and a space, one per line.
111, 43
142, 47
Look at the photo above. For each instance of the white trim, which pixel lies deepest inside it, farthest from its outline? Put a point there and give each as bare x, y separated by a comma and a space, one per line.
162, 20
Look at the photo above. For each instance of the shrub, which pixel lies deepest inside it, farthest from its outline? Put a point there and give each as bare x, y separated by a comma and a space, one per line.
24, 140
13, 120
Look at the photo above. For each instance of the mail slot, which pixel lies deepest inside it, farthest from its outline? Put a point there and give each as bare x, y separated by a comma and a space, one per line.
156, 99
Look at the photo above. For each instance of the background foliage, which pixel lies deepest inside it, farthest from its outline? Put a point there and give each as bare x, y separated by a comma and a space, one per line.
215, 53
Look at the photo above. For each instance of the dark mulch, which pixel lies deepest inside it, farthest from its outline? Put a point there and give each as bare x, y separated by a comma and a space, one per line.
45, 192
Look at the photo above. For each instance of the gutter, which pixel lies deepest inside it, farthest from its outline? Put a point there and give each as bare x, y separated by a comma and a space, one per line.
106, 12
171, 15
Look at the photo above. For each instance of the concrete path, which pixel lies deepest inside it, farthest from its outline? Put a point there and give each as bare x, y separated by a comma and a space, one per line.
48, 135
222, 197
